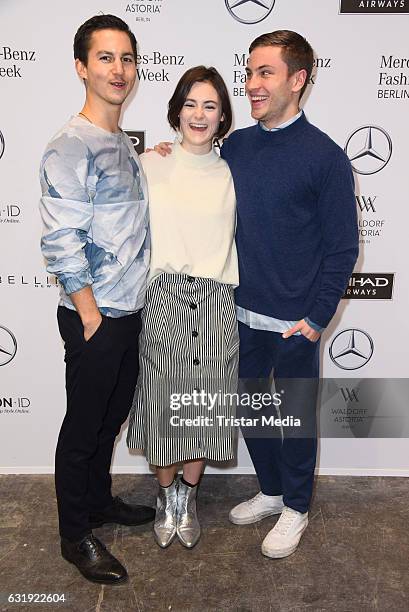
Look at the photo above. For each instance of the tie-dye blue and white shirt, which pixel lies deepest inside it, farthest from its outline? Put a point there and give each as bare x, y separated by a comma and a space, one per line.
95, 214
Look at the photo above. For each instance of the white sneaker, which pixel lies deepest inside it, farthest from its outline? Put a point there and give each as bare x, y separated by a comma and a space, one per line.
283, 539
256, 508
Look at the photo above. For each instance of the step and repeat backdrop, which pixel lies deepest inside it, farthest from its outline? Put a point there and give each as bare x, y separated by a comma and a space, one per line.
358, 94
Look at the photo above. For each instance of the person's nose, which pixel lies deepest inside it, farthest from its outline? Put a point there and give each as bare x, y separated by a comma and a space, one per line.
118, 67
199, 113
252, 82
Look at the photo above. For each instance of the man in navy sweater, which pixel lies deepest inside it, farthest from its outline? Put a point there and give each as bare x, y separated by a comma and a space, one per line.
297, 240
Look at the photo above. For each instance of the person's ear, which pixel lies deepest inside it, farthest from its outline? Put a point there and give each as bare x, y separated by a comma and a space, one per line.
299, 80
81, 69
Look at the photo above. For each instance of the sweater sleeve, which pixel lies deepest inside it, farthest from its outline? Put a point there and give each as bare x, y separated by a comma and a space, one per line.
224, 151
67, 211
339, 228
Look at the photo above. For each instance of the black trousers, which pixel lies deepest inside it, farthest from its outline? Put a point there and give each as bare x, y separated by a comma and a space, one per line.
101, 376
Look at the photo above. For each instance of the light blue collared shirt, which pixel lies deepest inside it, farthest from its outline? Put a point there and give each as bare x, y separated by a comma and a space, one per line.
263, 322
282, 125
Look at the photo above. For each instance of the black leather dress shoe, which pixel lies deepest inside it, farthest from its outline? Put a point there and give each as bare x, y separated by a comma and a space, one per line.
123, 514
93, 560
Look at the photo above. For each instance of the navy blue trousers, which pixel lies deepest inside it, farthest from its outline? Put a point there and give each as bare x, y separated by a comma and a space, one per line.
284, 463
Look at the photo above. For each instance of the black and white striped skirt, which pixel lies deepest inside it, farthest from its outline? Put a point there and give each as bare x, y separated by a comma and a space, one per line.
187, 387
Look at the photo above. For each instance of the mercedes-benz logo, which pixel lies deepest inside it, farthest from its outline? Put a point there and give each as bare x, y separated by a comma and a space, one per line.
369, 149
8, 345
2, 145
250, 11
351, 349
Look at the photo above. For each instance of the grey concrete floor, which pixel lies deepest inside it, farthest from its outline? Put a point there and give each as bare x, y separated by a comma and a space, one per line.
353, 557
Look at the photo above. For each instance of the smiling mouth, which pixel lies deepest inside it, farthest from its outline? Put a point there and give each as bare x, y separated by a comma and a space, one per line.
257, 99
198, 127
118, 84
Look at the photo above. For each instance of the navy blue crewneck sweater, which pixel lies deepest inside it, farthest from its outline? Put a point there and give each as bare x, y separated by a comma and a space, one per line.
297, 234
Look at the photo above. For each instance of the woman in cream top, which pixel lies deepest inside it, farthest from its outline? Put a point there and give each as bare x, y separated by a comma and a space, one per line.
189, 339
192, 215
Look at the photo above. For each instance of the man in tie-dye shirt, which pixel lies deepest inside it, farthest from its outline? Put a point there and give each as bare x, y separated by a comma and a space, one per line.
96, 241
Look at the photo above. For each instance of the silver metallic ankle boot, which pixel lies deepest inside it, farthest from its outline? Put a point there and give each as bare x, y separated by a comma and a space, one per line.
164, 526
188, 527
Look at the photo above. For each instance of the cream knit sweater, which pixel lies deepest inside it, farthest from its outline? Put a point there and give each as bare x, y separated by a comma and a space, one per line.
192, 209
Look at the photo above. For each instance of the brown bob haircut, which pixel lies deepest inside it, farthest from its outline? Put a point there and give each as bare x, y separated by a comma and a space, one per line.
200, 74
296, 51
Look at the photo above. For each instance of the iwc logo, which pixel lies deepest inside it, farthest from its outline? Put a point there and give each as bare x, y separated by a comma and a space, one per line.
249, 11
8, 346
369, 149
351, 349
2, 145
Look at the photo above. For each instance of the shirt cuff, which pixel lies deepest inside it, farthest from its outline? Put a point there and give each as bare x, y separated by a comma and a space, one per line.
75, 283
314, 325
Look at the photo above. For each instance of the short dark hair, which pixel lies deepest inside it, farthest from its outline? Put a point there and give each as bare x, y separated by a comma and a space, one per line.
200, 74
82, 39
296, 51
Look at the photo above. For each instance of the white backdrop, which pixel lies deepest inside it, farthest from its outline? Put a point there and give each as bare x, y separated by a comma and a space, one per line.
361, 80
